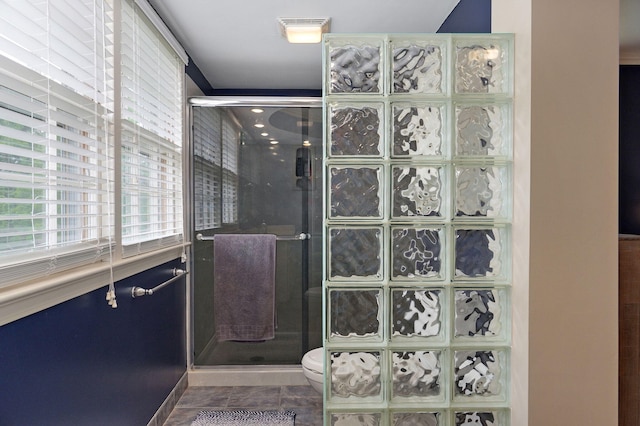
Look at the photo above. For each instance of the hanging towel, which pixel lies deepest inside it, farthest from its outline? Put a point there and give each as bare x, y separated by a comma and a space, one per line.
244, 286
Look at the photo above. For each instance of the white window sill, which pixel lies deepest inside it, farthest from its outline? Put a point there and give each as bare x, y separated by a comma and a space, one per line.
21, 300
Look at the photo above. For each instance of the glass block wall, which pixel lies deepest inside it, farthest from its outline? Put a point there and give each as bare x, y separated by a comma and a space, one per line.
418, 208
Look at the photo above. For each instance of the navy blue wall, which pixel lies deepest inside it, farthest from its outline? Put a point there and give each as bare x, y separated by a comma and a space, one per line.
469, 16
84, 363
629, 188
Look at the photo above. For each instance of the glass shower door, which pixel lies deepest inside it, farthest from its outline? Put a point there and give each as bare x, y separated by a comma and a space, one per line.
254, 173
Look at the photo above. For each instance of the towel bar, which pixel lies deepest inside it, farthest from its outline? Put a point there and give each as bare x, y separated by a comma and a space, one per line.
139, 291
299, 237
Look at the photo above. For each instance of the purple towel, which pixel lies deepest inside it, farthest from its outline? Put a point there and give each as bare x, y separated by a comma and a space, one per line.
244, 286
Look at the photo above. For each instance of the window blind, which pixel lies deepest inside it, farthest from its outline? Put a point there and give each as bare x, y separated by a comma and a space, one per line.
207, 158
151, 138
56, 157
216, 139
230, 142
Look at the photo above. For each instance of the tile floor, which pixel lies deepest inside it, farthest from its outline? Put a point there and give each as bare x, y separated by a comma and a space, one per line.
305, 401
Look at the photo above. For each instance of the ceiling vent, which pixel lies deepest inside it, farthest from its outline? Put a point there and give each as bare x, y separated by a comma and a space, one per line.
303, 30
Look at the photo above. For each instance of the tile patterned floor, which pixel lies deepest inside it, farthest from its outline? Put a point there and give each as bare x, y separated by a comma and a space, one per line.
305, 401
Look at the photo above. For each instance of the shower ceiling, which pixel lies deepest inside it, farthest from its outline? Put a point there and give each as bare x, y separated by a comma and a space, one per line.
288, 126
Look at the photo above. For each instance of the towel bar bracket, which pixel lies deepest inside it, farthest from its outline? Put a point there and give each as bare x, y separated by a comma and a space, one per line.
139, 291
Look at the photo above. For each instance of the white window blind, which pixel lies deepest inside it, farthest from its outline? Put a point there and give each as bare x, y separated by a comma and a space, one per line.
216, 140
230, 143
151, 139
207, 158
56, 157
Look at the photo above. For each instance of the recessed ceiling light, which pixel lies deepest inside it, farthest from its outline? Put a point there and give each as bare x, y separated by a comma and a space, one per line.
258, 125
264, 134
257, 110
303, 30
274, 142
306, 143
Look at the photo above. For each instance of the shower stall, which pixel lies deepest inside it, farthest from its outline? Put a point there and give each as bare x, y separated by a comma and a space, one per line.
256, 169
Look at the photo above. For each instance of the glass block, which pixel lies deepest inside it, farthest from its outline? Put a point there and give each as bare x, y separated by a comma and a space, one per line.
483, 129
418, 418
417, 253
355, 375
355, 315
481, 253
355, 65
418, 211
355, 129
419, 129
480, 314
418, 313
417, 375
355, 192
356, 419
482, 65
482, 192
480, 417
480, 375
418, 192
419, 65
355, 253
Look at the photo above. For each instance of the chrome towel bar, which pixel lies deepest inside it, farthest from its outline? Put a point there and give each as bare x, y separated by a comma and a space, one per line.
298, 237
139, 291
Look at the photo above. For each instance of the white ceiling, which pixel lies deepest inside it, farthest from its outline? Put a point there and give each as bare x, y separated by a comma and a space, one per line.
237, 43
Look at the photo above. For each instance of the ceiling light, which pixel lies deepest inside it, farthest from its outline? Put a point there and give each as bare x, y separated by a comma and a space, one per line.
264, 134
306, 143
303, 30
257, 110
274, 142
258, 125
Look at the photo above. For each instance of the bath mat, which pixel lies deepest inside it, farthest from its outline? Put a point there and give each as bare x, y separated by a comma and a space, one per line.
245, 418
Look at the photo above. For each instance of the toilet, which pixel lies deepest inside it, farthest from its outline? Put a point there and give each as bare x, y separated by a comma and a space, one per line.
312, 367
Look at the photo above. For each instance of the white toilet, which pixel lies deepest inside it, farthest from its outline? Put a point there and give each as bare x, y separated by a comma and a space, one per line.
312, 367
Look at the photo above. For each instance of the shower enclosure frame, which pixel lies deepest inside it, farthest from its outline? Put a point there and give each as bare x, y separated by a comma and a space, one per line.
235, 375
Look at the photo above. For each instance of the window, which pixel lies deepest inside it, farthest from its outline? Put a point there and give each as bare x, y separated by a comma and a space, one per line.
230, 141
58, 205
207, 160
215, 150
56, 161
152, 102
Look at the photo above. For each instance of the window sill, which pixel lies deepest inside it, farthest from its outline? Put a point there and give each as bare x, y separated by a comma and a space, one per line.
24, 299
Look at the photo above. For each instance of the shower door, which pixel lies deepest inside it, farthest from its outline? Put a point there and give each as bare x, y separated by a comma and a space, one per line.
254, 172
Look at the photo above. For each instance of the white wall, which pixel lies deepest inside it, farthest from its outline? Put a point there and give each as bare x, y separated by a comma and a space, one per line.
514, 16
566, 172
